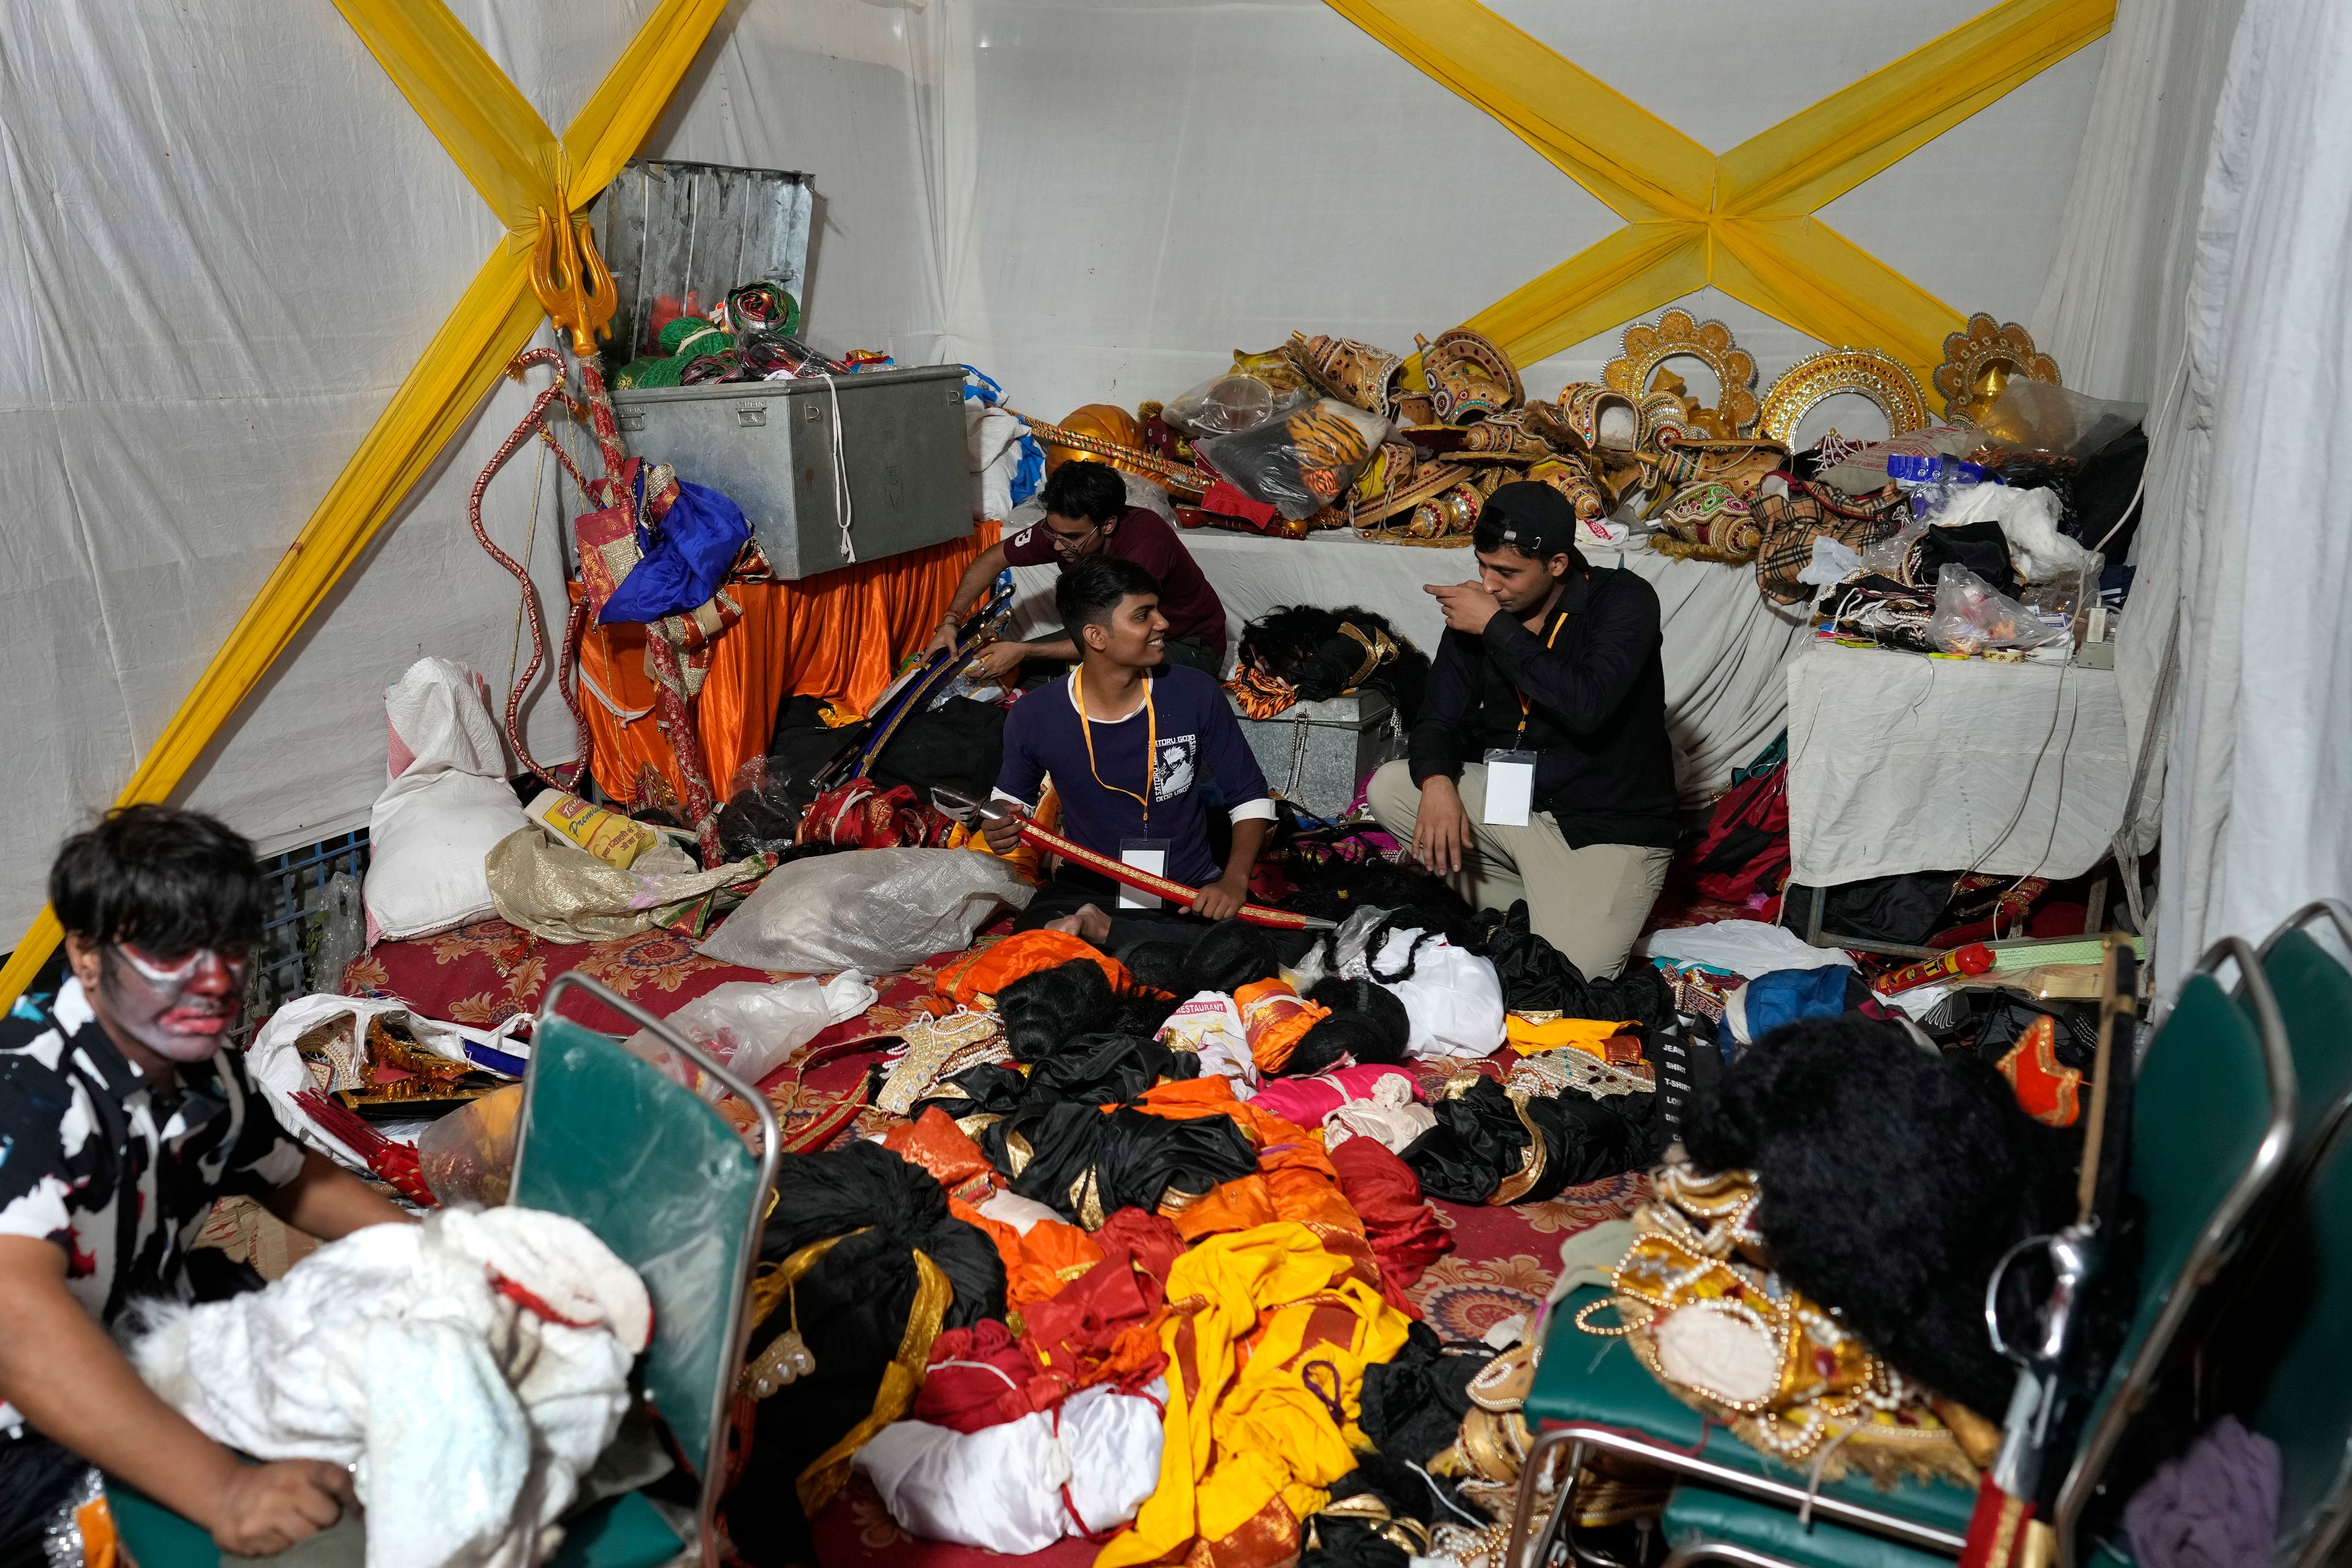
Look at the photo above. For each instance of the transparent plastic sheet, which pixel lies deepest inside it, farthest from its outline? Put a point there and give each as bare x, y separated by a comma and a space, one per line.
752, 1027
1972, 618
1301, 463
877, 910
762, 813
1229, 404
467, 1156
342, 934
2033, 418
1866, 472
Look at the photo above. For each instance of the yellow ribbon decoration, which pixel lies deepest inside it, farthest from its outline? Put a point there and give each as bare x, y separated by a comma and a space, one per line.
1741, 220
521, 167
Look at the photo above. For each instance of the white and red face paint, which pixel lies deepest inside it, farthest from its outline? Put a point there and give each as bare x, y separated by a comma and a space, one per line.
182, 1010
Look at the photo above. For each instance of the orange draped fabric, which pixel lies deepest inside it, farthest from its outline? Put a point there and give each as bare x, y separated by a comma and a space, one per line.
838, 635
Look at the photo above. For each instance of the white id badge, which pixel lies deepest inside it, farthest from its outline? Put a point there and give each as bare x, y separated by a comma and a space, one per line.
1510, 787
1145, 854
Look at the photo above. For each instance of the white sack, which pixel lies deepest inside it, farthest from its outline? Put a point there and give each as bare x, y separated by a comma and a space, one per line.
447, 806
1000, 1487
1744, 947
879, 910
466, 1418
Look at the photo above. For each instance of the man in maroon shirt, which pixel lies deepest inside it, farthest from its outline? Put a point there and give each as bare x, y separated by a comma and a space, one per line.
1086, 514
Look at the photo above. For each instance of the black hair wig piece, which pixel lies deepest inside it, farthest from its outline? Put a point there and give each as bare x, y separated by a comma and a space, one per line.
171, 881
1304, 645
1892, 1181
1043, 1012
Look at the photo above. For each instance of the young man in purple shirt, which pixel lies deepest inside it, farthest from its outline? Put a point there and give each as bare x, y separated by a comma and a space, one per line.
1088, 518
1132, 754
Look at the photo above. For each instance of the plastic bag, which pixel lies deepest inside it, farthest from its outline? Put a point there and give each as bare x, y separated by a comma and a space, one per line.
1865, 472
879, 910
1302, 463
2040, 418
751, 1026
1971, 618
558, 892
762, 811
2028, 521
342, 930
467, 1156
1229, 404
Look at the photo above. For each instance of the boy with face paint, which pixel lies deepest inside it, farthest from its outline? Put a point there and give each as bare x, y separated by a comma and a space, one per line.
122, 1116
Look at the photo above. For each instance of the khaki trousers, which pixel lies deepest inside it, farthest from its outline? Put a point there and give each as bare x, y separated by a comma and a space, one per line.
1590, 904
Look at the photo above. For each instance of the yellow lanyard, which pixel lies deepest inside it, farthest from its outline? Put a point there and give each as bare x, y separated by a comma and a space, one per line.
1523, 695
1150, 743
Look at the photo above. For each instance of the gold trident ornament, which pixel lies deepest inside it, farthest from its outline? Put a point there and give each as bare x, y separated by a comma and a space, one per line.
571, 281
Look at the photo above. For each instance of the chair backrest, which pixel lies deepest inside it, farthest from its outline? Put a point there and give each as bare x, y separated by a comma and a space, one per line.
2213, 1110
666, 1183
2304, 1289
2315, 999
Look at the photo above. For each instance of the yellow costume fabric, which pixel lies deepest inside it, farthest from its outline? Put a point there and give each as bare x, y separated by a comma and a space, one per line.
1266, 1331
1584, 1033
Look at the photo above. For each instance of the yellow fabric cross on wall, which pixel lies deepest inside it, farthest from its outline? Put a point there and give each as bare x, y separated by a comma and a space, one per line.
1740, 220
522, 169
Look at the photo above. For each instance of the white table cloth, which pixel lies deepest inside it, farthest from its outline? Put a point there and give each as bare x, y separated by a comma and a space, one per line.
1900, 763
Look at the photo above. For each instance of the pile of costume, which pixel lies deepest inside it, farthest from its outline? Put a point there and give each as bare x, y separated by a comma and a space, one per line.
1128, 1259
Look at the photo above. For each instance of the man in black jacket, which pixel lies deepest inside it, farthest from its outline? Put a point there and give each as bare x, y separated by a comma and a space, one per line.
1544, 662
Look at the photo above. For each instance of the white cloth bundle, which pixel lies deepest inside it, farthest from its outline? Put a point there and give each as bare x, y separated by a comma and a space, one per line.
1012, 1487
1453, 999
469, 1370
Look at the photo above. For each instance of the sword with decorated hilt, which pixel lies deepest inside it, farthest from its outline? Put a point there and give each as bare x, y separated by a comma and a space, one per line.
972, 812
2003, 1531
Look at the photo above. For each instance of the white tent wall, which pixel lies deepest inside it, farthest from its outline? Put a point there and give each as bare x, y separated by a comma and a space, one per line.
1163, 181
226, 240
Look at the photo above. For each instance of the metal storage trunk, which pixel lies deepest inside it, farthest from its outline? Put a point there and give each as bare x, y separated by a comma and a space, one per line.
678, 236
770, 445
1315, 754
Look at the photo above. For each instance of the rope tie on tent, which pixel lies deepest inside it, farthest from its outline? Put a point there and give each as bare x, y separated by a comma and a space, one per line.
534, 420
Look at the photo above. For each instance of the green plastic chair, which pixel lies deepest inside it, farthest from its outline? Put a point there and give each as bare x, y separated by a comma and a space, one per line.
2213, 1118
2305, 1399
665, 1182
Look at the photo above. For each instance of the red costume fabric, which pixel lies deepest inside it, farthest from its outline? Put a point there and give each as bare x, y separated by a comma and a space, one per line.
980, 1377
1403, 1229
1104, 1326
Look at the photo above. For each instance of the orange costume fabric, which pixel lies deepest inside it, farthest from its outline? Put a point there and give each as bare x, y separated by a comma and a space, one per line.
1038, 1262
839, 635
1295, 1180
975, 979
1267, 1336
